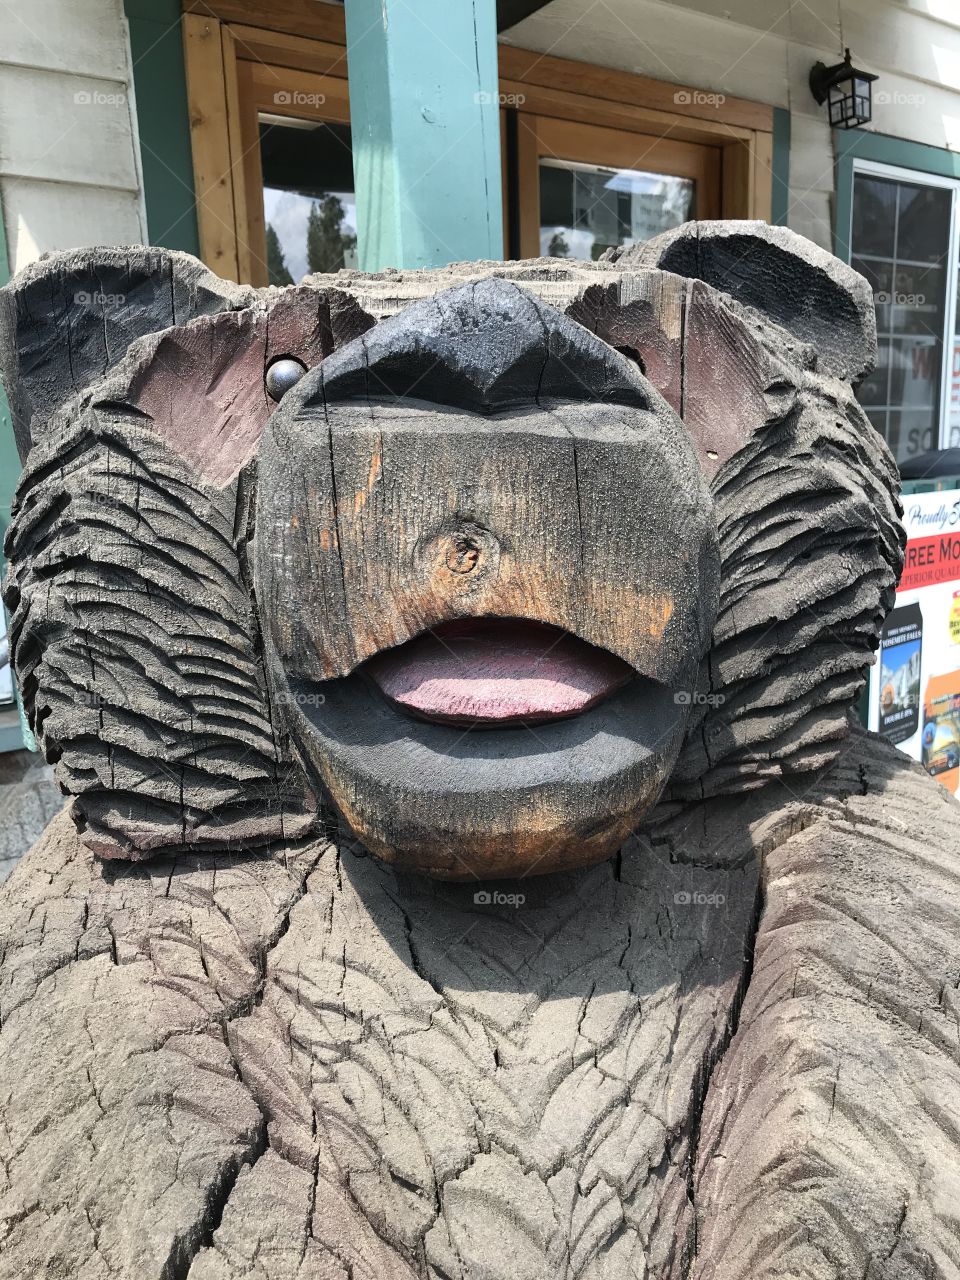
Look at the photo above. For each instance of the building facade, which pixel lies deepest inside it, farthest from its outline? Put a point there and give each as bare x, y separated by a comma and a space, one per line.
222, 128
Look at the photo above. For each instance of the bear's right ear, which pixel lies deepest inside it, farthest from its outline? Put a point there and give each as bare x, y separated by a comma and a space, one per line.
794, 282
69, 318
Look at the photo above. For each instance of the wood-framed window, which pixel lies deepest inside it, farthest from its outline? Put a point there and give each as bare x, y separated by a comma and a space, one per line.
904, 237
601, 156
585, 187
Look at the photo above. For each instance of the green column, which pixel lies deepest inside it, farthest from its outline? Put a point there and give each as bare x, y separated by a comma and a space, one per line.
163, 121
426, 131
14, 733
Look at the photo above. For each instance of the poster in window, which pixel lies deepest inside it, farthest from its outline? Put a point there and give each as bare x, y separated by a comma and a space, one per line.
915, 685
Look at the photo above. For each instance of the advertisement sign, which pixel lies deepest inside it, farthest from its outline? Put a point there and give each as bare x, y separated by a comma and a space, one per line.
915, 686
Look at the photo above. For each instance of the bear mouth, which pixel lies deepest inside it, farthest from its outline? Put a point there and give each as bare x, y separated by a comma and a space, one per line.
493, 673
487, 747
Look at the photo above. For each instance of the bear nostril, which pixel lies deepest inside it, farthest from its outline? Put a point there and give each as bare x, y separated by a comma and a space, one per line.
463, 554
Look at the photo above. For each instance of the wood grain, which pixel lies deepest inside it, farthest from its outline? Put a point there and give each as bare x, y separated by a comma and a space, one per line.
159, 724
207, 102
788, 449
804, 493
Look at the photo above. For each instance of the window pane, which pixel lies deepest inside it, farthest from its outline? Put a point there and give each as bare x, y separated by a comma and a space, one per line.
917, 299
585, 209
924, 223
911, 432
309, 206
873, 390
953, 414
900, 242
874, 215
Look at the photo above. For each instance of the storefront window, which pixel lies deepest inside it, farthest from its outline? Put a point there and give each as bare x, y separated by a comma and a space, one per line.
585, 209
901, 242
309, 206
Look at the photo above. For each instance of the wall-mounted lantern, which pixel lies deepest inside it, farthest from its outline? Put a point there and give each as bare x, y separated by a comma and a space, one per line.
848, 91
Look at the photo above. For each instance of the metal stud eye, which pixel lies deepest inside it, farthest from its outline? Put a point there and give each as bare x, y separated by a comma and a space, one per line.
282, 375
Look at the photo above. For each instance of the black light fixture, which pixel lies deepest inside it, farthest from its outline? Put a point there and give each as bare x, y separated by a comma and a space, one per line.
848, 91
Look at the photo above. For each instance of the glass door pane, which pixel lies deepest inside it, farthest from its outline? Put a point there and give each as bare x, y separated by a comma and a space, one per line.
309, 206
586, 209
901, 242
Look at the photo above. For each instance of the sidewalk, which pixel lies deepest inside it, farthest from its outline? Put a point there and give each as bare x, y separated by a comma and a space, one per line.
29, 798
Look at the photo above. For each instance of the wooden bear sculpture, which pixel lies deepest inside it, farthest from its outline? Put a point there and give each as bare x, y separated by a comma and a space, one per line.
550, 585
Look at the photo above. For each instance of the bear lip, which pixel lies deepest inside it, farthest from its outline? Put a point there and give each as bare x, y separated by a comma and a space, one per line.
496, 672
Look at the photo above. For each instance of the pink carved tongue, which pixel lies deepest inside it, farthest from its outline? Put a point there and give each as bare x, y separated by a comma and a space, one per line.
496, 672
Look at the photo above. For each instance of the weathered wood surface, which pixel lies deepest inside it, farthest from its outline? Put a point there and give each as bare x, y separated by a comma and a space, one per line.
476, 456
731, 1053
202, 383
803, 492
305, 1064
71, 318
807, 291
135, 648
799, 477
484, 418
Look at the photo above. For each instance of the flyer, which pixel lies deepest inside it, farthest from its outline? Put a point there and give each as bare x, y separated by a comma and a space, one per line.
915, 685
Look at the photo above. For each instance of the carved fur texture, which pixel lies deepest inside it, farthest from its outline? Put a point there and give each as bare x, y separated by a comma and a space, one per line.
134, 635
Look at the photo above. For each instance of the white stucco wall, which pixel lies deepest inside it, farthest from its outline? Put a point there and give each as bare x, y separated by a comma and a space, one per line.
69, 169
764, 49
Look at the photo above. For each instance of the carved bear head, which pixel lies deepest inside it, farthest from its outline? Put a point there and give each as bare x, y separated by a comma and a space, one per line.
489, 556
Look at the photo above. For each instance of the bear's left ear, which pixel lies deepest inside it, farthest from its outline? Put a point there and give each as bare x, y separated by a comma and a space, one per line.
794, 282
68, 319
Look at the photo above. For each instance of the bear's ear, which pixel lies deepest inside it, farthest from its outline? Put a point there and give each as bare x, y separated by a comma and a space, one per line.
788, 278
66, 320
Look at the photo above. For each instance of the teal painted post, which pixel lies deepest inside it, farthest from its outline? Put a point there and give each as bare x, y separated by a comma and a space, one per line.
780, 202
425, 119
14, 733
163, 122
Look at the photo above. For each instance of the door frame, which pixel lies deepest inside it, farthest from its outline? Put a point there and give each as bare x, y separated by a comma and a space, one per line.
235, 48
234, 73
